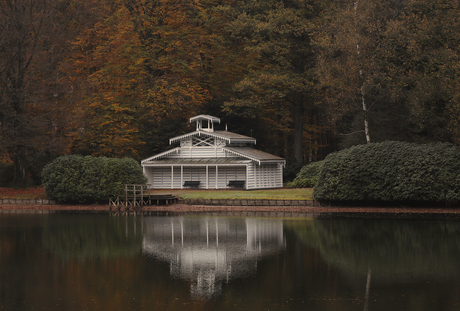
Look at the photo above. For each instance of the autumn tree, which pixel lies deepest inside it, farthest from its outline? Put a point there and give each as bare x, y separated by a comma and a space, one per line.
174, 45
106, 66
189, 65
145, 67
32, 103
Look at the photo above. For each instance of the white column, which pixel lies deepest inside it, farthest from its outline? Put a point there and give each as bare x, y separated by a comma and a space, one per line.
247, 176
217, 176
181, 176
207, 176
280, 175
172, 176
256, 178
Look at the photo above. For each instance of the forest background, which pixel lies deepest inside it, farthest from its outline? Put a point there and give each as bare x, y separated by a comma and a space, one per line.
118, 78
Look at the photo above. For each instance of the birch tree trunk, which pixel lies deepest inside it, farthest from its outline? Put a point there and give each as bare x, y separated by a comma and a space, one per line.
363, 99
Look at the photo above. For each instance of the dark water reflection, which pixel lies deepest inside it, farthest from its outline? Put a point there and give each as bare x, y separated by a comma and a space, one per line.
101, 262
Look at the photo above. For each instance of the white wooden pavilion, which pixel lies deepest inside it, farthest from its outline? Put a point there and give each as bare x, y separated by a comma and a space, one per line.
209, 159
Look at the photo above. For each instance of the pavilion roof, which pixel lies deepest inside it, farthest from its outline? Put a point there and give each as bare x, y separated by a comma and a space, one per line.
230, 137
255, 155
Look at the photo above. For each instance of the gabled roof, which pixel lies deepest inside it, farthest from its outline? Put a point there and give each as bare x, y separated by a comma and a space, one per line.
246, 153
163, 154
225, 135
255, 155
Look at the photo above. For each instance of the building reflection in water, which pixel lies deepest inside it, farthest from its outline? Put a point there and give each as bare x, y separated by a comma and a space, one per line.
212, 250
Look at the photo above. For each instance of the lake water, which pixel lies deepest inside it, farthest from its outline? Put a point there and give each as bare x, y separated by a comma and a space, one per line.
103, 262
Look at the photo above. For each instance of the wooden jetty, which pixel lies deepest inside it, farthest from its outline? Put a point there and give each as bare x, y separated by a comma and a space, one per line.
137, 196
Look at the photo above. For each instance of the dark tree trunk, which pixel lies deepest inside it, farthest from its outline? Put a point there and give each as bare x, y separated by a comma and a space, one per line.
18, 155
299, 112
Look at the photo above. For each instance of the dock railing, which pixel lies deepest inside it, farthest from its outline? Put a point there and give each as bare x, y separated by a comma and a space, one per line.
137, 195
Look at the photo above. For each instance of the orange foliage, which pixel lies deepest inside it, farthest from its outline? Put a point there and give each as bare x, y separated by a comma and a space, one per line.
138, 59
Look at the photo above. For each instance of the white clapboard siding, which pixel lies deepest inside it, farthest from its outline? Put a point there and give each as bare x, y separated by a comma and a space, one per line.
161, 177
187, 174
177, 177
211, 177
201, 175
185, 153
206, 152
201, 157
148, 172
201, 152
251, 182
257, 176
264, 176
279, 175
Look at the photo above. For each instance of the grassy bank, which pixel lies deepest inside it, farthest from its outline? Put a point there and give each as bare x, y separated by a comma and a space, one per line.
274, 194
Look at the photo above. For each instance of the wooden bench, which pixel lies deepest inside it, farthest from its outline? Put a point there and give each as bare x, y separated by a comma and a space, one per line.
191, 183
236, 183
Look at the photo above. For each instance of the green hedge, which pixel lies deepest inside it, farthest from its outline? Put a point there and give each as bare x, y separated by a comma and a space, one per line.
308, 176
391, 172
89, 179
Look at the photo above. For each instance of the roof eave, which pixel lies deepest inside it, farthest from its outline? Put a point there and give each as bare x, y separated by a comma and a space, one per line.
160, 155
237, 140
255, 159
243, 155
194, 164
178, 138
283, 162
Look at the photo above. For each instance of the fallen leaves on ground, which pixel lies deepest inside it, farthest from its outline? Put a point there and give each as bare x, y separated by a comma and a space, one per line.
18, 193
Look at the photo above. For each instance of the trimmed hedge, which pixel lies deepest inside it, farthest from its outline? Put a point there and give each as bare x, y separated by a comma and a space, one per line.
78, 179
308, 176
391, 172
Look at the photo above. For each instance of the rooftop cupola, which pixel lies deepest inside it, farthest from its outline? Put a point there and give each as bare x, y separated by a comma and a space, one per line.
205, 122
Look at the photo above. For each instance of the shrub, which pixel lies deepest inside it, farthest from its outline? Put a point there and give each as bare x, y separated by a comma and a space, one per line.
391, 172
291, 169
89, 179
308, 176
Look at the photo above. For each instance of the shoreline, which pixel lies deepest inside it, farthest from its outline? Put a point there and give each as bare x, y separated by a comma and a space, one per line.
263, 211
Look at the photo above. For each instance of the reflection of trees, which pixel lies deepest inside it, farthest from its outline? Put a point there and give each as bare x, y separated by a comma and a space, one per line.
31, 279
208, 251
19, 244
92, 236
389, 248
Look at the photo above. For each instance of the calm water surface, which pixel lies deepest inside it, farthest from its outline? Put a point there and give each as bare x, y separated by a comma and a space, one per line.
102, 262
